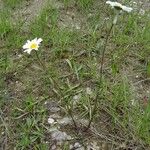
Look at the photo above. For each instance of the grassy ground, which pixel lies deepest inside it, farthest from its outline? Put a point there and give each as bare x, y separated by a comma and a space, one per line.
73, 34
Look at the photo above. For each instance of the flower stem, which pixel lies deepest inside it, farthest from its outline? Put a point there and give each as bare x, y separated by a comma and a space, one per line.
41, 63
100, 78
45, 69
70, 113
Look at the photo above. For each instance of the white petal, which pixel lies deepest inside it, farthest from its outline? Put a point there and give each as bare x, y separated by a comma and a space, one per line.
34, 40
26, 46
114, 4
36, 48
108, 2
118, 5
28, 50
39, 40
127, 9
28, 41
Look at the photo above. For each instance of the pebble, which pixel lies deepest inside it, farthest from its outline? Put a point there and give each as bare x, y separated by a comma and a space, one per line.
89, 91
64, 121
53, 107
51, 120
60, 136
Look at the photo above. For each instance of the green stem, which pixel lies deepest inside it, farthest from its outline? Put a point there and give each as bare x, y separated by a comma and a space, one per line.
100, 78
53, 82
70, 113
41, 63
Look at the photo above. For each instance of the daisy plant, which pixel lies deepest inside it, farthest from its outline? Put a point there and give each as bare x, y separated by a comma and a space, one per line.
33, 45
118, 8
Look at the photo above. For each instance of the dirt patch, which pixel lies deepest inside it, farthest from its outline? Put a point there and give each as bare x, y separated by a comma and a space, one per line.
29, 11
69, 18
72, 20
1, 4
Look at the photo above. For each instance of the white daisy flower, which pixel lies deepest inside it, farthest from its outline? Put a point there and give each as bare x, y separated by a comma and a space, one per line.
119, 6
32, 45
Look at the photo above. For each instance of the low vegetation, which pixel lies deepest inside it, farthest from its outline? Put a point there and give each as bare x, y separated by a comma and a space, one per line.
74, 35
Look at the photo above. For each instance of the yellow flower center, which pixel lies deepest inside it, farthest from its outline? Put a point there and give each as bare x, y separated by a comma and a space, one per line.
33, 46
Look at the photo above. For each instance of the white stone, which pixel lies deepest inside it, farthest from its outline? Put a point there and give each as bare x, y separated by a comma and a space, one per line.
60, 136
51, 120
89, 91
64, 121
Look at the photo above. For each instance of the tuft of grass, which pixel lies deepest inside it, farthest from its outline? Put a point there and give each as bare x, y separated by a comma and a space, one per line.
12, 4
32, 129
84, 3
5, 24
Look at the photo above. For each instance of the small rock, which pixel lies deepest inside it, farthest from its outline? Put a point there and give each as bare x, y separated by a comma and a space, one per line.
77, 97
51, 120
71, 147
142, 12
133, 102
77, 27
53, 129
53, 107
53, 147
93, 146
77, 146
105, 146
55, 116
64, 121
20, 55
83, 121
60, 136
89, 91
137, 76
